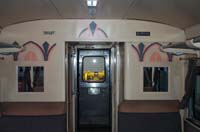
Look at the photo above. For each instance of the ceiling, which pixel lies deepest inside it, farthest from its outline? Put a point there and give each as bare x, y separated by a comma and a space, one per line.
178, 13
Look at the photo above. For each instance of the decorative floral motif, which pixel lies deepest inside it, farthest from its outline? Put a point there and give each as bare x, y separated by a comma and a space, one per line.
156, 57
15, 55
93, 27
45, 49
30, 56
141, 50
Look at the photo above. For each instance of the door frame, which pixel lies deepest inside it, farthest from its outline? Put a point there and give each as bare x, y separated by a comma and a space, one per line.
117, 77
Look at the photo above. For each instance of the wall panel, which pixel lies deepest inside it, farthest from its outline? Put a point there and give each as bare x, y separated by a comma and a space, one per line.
60, 31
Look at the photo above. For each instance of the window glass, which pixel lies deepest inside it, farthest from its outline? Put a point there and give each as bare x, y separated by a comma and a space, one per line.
155, 79
30, 79
93, 69
197, 98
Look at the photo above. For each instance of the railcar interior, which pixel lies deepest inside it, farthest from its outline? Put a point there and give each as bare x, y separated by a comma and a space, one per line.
99, 66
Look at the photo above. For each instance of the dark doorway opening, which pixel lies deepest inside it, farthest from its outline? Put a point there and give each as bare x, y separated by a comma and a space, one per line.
94, 108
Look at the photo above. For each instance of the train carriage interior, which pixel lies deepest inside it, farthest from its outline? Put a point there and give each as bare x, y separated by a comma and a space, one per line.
99, 66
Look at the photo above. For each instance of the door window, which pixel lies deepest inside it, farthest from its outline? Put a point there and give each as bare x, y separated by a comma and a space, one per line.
93, 69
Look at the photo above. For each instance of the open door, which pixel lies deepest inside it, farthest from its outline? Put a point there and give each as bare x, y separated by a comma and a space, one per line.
94, 91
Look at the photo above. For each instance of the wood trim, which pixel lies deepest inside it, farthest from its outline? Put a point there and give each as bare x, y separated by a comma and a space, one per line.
149, 106
33, 108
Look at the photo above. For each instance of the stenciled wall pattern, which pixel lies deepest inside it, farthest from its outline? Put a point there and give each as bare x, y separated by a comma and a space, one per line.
92, 30
156, 56
33, 52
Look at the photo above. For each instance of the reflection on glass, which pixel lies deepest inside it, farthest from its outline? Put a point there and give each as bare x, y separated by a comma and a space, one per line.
197, 98
30, 79
155, 79
93, 69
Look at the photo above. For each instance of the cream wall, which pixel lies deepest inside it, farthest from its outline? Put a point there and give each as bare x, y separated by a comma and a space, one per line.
193, 31
134, 75
69, 30
53, 78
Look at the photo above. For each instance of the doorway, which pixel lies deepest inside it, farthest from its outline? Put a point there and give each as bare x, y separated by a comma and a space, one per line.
92, 92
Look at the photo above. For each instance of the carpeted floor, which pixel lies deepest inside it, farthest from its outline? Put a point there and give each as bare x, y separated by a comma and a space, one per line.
94, 129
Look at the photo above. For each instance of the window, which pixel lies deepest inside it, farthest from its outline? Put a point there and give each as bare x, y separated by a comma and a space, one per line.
155, 79
196, 97
93, 69
30, 79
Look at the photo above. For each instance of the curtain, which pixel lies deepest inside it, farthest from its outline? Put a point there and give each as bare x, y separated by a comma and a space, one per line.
156, 79
147, 77
36, 76
27, 79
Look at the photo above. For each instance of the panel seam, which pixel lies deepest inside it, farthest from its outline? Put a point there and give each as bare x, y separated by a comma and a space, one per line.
57, 10
132, 5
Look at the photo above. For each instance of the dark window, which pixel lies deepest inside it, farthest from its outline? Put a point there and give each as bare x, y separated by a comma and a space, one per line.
93, 69
196, 97
155, 79
30, 79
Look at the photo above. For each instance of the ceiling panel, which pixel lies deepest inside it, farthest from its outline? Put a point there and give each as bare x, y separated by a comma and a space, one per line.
191, 7
113, 9
13, 11
163, 11
178, 13
72, 8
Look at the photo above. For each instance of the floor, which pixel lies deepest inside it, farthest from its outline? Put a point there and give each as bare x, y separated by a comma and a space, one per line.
94, 129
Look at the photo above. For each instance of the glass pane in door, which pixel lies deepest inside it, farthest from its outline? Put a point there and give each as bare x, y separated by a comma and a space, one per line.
93, 69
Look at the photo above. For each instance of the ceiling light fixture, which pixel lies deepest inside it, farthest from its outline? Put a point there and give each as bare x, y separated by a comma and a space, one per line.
92, 3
